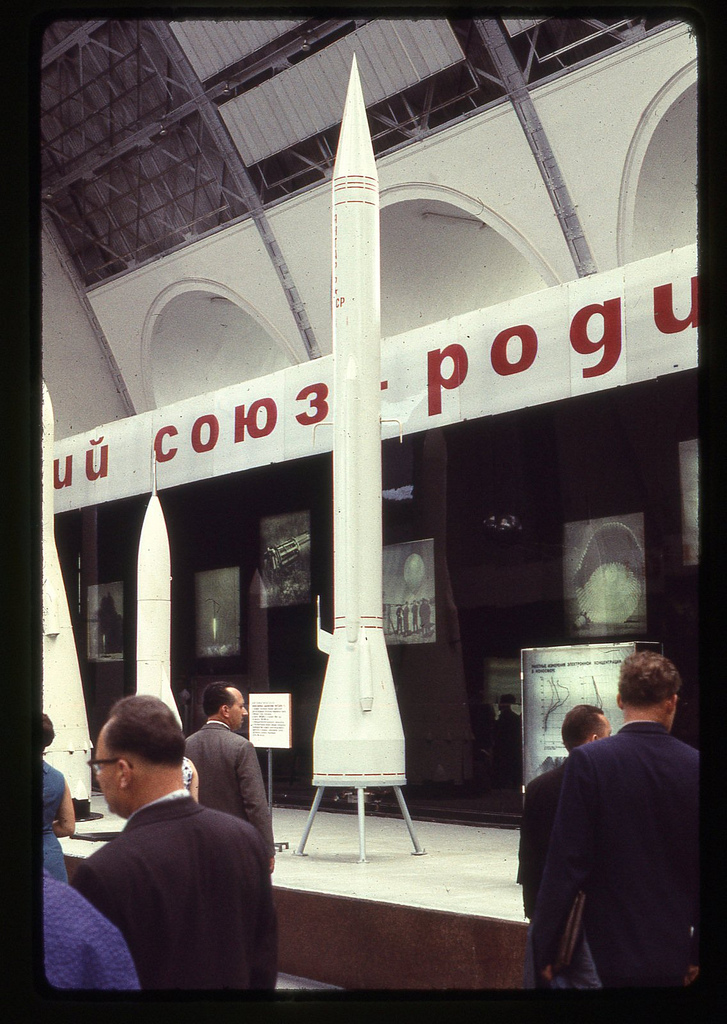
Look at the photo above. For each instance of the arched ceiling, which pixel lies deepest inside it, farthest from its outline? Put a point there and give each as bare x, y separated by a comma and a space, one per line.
665, 208
155, 133
438, 261
202, 341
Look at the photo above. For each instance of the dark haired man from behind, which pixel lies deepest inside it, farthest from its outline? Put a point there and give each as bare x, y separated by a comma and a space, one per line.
188, 887
626, 834
230, 779
584, 723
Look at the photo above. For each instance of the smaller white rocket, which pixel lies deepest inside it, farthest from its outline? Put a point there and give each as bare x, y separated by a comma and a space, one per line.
63, 700
154, 607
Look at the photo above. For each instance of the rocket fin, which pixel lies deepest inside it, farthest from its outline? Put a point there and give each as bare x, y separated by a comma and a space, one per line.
324, 639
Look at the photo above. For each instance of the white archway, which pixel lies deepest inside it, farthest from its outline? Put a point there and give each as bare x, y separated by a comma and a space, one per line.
629, 245
444, 253
200, 335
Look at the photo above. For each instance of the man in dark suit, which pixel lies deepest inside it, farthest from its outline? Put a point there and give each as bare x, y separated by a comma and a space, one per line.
626, 834
188, 887
582, 724
229, 772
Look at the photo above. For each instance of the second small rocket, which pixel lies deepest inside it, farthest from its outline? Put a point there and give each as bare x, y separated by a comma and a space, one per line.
358, 740
154, 604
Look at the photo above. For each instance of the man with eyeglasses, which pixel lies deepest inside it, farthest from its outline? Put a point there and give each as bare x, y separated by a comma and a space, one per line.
187, 886
626, 834
230, 779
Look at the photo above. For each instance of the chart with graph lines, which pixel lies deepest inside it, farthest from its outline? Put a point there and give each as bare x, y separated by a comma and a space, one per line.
554, 680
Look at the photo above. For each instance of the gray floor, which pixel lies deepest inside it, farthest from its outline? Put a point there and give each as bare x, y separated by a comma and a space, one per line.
466, 869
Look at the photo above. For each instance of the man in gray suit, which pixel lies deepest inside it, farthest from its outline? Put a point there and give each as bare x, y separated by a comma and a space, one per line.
229, 772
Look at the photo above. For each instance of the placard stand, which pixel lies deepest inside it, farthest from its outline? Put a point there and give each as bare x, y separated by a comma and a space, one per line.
269, 726
360, 793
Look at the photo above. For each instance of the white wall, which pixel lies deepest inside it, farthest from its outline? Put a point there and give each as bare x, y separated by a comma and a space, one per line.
232, 263
201, 340
75, 368
664, 210
592, 117
437, 261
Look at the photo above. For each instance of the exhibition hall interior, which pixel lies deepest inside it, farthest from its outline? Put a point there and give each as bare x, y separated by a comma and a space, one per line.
539, 371
526, 167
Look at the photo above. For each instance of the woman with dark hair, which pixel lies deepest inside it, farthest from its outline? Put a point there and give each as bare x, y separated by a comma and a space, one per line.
59, 818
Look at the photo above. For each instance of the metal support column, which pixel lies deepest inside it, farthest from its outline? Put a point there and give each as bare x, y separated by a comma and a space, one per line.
418, 850
361, 826
518, 94
309, 822
213, 120
360, 798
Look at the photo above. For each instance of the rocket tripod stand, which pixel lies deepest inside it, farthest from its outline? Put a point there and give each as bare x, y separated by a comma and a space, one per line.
418, 851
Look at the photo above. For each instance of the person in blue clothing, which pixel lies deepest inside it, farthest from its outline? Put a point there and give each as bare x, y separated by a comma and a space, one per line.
81, 948
626, 834
59, 818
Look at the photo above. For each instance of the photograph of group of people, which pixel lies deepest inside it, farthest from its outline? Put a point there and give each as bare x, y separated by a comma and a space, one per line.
409, 605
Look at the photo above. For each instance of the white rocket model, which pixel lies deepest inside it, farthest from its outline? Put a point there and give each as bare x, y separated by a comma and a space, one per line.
154, 607
358, 740
62, 689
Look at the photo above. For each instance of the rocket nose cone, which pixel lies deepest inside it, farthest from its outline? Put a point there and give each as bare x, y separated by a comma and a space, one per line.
355, 152
354, 103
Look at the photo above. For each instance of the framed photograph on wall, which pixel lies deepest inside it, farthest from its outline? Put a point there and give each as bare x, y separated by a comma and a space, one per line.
409, 595
105, 632
217, 612
689, 479
605, 576
285, 559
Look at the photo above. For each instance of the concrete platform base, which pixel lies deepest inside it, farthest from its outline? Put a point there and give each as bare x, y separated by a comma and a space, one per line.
364, 944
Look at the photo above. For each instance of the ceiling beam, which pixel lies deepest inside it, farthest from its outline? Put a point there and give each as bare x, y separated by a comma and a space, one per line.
78, 37
210, 114
517, 90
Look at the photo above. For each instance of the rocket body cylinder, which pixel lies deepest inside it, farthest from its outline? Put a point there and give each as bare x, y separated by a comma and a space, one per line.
358, 738
63, 699
154, 604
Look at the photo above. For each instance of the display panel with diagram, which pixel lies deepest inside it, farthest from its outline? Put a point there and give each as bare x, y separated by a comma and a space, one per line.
556, 679
689, 479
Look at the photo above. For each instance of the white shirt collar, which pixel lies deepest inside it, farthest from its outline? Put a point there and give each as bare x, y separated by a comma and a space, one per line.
174, 795
216, 721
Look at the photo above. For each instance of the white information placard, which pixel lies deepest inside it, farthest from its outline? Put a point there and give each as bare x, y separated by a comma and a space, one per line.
269, 720
556, 679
